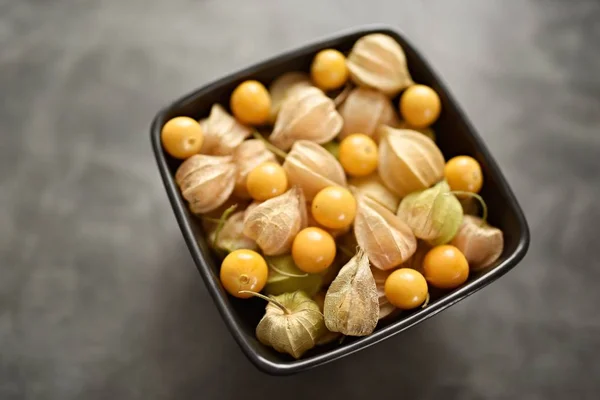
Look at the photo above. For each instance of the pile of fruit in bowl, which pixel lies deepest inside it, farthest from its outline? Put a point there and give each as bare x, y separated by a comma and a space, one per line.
325, 194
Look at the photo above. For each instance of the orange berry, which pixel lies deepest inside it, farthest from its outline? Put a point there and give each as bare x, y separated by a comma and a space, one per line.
182, 137
251, 103
445, 267
313, 250
243, 270
358, 155
334, 207
266, 181
464, 173
328, 69
406, 288
420, 106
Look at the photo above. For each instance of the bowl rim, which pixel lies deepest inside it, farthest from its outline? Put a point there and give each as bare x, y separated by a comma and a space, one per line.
294, 366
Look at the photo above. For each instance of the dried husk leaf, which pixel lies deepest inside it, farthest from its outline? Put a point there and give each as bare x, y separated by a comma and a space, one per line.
307, 114
249, 155
385, 307
481, 243
197, 162
206, 182
385, 238
223, 133
286, 277
328, 336
273, 224
231, 236
364, 110
351, 304
378, 61
249, 209
203, 124
284, 86
312, 168
373, 187
433, 214
295, 330
408, 160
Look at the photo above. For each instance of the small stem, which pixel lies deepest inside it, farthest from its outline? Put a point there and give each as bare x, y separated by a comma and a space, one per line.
426, 302
222, 220
269, 299
273, 149
280, 272
211, 219
484, 209
340, 98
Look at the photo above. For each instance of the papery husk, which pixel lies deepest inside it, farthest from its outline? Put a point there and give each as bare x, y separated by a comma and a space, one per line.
274, 223
385, 238
206, 182
408, 160
429, 132
433, 214
308, 114
231, 236
295, 330
373, 187
328, 336
377, 61
286, 277
249, 155
203, 124
249, 209
282, 87
481, 243
365, 110
312, 168
351, 304
385, 307
197, 162
222, 133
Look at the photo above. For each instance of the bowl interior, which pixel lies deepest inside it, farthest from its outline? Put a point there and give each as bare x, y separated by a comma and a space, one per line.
455, 136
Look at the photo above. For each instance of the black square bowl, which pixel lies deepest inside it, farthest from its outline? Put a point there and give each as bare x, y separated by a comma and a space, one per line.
455, 136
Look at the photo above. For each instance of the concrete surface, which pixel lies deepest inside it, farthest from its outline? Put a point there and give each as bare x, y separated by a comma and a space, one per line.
99, 298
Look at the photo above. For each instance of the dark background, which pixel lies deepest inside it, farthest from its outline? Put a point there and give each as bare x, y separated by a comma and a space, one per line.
99, 298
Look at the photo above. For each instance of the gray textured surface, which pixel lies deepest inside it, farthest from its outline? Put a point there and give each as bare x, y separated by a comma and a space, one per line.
99, 298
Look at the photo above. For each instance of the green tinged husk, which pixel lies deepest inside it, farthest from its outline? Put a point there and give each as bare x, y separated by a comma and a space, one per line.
433, 214
292, 324
286, 277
